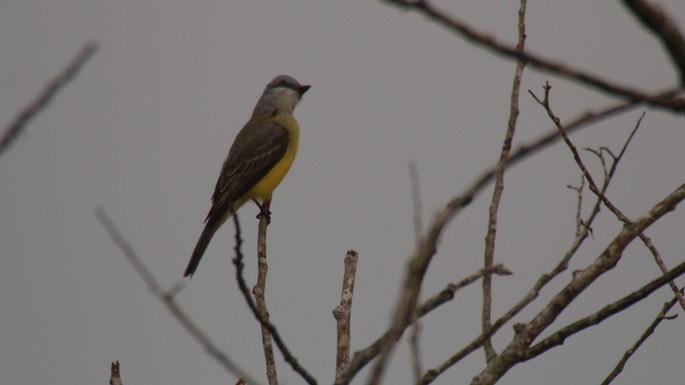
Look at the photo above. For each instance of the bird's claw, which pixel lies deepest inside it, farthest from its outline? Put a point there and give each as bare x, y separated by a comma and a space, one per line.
263, 212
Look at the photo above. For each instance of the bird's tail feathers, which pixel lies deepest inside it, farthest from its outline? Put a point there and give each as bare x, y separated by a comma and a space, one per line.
201, 246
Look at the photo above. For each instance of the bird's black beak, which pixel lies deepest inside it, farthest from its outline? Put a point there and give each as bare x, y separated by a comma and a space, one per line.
302, 89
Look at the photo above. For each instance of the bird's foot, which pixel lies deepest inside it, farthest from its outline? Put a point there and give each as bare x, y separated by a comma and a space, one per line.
264, 212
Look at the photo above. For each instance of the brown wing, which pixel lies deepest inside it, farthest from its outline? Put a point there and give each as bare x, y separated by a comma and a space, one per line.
255, 151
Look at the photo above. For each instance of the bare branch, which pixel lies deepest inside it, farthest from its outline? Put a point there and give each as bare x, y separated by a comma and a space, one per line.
447, 294
583, 229
115, 374
167, 298
643, 237
416, 270
342, 314
461, 28
560, 336
259, 292
526, 333
574, 150
361, 358
364, 356
486, 322
526, 150
415, 336
579, 206
660, 262
416, 200
601, 194
600, 155
647, 333
239, 266
665, 29
415, 346
15, 127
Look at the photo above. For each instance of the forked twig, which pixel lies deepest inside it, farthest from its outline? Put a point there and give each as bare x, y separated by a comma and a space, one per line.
647, 333
486, 321
239, 266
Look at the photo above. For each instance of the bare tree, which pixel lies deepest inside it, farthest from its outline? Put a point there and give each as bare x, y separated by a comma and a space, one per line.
526, 343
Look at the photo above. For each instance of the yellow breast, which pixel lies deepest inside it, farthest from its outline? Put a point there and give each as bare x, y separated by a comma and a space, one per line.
265, 187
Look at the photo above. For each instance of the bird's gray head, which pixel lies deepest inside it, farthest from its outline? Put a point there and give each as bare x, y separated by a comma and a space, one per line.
280, 96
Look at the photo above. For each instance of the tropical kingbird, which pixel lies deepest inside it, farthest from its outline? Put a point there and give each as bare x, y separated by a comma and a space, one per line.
259, 158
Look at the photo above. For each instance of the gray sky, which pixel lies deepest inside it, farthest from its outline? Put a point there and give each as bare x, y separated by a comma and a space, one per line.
144, 128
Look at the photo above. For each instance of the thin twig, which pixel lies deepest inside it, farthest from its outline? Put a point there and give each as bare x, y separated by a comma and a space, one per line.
486, 322
483, 39
522, 152
364, 356
447, 294
579, 205
647, 333
581, 280
167, 298
660, 262
259, 292
525, 150
429, 246
416, 202
416, 271
239, 267
558, 338
576, 156
623, 218
526, 333
601, 194
415, 346
342, 313
415, 335
581, 234
574, 150
600, 155
643, 237
17, 125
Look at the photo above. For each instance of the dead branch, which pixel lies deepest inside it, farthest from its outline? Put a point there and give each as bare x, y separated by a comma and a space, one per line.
342, 314
239, 267
647, 333
665, 29
486, 322
17, 125
558, 68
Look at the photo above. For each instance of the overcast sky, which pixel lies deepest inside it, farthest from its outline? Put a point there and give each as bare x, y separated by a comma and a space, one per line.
144, 129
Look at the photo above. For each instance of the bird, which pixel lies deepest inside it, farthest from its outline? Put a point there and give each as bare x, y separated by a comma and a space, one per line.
258, 160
